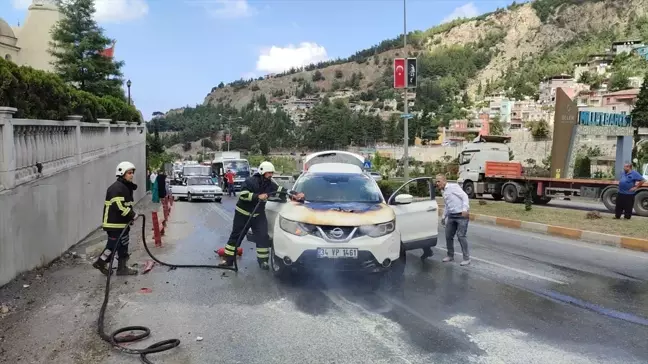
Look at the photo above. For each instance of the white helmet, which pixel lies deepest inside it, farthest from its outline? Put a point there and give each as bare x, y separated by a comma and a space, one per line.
265, 167
123, 167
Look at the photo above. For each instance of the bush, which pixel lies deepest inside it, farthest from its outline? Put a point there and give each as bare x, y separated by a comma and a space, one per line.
43, 95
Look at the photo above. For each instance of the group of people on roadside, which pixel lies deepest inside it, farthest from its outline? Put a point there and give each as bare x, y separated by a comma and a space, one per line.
159, 189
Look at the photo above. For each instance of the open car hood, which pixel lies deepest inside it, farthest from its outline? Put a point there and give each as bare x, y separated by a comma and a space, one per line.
338, 214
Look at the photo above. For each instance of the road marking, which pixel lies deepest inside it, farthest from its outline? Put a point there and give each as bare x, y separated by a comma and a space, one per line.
221, 212
521, 271
553, 239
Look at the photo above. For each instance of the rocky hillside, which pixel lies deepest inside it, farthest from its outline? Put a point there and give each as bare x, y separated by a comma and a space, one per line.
525, 33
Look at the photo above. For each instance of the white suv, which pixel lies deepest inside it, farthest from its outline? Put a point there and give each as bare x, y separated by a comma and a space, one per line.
346, 224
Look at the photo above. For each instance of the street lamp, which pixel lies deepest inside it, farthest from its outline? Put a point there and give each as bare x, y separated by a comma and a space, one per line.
228, 138
128, 85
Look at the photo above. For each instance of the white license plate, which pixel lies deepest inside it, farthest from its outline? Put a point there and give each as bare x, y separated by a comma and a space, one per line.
335, 253
209, 196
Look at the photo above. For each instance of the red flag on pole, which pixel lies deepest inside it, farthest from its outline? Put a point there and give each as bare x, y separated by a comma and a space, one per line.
400, 76
108, 52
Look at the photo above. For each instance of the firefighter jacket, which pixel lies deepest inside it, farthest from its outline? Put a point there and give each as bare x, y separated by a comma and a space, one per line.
118, 207
251, 189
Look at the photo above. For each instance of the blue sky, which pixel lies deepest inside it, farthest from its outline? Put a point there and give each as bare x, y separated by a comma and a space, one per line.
177, 50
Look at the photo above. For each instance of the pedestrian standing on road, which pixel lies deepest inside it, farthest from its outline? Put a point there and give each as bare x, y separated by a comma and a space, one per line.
118, 214
255, 189
155, 197
162, 188
230, 183
455, 217
628, 183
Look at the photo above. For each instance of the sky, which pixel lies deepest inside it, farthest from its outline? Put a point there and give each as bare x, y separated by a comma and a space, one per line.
177, 50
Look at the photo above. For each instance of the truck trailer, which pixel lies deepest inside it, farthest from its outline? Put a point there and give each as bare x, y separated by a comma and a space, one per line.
484, 168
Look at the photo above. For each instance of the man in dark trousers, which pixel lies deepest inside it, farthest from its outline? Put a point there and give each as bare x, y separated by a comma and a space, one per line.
628, 184
229, 177
256, 188
118, 214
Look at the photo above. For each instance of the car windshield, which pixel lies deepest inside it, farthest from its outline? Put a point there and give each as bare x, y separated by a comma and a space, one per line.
200, 181
197, 171
240, 168
325, 187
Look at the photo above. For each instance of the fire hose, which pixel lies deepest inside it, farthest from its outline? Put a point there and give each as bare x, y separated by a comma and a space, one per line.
113, 339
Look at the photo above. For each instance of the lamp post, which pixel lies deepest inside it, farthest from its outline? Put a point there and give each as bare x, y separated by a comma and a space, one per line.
228, 136
128, 85
405, 121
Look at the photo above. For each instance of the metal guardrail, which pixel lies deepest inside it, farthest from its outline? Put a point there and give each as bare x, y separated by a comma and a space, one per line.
401, 179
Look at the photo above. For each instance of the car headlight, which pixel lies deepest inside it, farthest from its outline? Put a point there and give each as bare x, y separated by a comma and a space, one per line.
294, 227
378, 230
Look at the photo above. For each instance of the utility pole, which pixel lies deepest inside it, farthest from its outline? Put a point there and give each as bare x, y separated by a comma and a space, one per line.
406, 119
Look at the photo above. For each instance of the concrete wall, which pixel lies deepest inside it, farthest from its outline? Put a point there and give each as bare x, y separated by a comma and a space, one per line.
42, 215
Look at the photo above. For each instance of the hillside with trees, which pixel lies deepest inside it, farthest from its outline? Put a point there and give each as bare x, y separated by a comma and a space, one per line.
509, 50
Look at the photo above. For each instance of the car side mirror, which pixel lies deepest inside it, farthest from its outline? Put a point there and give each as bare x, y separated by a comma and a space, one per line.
404, 199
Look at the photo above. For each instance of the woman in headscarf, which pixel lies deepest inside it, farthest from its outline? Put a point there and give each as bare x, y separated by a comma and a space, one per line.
154, 188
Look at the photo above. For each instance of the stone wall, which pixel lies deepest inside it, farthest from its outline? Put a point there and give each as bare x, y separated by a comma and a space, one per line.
54, 176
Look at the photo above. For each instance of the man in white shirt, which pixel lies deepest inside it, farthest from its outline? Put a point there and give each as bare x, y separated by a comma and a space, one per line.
455, 217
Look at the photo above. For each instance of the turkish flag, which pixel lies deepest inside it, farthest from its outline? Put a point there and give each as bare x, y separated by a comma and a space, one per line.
400, 76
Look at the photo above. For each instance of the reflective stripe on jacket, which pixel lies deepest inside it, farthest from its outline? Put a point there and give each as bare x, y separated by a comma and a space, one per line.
251, 189
118, 206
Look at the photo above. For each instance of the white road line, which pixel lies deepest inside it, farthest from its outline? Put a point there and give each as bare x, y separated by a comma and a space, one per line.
513, 269
558, 240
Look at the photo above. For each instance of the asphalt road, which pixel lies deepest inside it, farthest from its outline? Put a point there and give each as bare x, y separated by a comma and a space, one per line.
526, 298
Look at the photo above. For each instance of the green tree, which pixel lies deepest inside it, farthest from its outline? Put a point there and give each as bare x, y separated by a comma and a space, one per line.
317, 76
495, 126
540, 130
640, 114
154, 143
619, 80
339, 74
77, 45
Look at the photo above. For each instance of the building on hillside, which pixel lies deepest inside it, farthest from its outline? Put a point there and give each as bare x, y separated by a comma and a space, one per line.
641, 51
464, 129
635, 81
621, 99
626, 46
599, 63
579, 69
28, 45
549, 85
593, 98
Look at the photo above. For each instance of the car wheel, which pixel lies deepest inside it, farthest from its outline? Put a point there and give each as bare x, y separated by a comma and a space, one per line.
469, 189
189, 198
510, 193
218, 200
609, 198
278, 267
392, 279
641, 203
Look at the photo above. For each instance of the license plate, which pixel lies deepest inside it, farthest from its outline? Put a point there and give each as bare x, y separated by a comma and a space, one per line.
335, 253
209, 195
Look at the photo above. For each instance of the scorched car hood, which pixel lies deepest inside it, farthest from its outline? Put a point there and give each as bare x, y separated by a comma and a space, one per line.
338, 214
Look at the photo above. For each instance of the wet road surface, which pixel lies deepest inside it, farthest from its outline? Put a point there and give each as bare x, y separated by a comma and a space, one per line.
526, 298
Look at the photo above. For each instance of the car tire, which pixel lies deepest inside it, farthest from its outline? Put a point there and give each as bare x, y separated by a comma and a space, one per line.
219, 200
469, 189
278, 268
609, 197
510, 193
392, 279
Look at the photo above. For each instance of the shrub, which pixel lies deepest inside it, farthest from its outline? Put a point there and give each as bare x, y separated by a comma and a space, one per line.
43, 95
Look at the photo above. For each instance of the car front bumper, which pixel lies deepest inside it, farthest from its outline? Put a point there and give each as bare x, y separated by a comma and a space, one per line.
207, 196
302, 251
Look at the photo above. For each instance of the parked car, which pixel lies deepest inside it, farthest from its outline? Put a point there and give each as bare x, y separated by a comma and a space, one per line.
197, 188
345, 224
376, 176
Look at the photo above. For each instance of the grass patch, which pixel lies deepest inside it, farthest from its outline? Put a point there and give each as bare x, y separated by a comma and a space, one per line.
637, 227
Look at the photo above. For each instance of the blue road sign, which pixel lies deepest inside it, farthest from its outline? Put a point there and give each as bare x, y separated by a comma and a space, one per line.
406, 116
367, 163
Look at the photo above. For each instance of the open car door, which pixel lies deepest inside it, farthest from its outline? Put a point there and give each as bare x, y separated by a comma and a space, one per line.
417, 215
180, 190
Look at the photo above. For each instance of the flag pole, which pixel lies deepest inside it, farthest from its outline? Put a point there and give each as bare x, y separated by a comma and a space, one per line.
406, 119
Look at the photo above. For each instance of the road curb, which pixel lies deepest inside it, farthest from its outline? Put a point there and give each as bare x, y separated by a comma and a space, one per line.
624, 242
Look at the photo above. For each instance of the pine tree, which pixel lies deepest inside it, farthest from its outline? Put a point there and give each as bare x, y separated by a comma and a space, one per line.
640, 114
77, 43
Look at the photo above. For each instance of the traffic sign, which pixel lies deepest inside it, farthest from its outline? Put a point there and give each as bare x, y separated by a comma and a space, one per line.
406, 116
367, 164
228, 137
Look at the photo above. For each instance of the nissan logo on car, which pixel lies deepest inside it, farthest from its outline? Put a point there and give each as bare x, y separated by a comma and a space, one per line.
336, 233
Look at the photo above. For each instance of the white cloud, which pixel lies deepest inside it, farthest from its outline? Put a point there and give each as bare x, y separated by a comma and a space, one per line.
108, 11
230, 9
464, 11
114, 11
278, 59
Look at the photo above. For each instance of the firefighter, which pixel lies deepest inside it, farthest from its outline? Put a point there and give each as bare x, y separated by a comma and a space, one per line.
255, 188
118, 214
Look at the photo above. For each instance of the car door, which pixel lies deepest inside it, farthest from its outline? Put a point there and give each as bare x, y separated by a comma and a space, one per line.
417, 217
180, 190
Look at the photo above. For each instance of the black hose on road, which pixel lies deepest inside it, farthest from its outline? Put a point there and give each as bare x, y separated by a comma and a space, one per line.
158, 347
